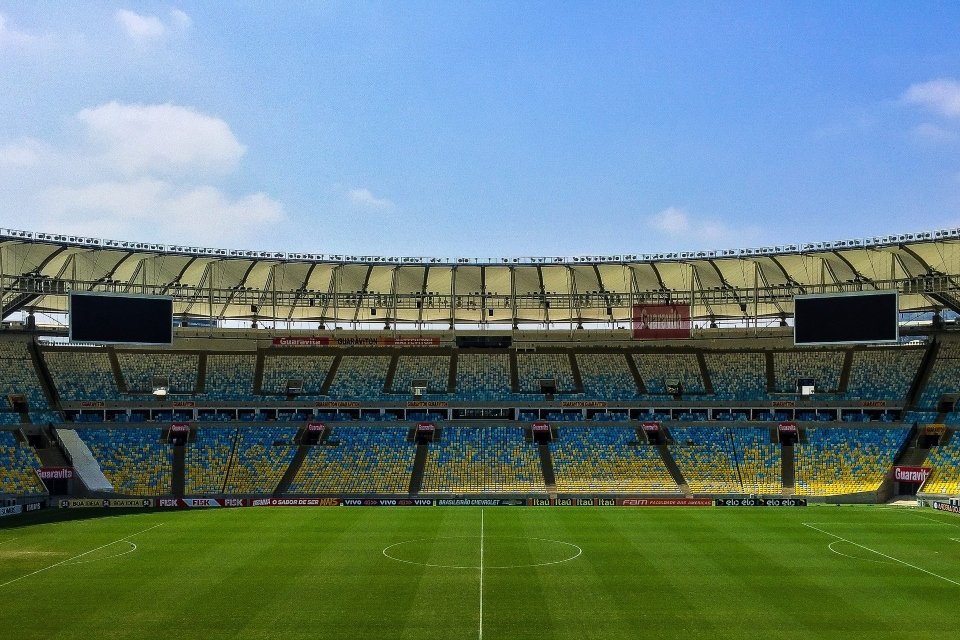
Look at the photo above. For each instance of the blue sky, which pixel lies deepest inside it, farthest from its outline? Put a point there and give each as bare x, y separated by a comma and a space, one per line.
479, 128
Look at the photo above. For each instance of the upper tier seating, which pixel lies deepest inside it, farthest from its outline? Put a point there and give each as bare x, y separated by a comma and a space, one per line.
434, 369
944, 377
18, 468
601, 459
533, 367
607, 376
488, 459
657, 370
134, 460
360, 377
364, 460
312, 370
139, 370
18, 375
230, 376
824, 367
482, 377
738, 375
883, 373
837, 461
82, 374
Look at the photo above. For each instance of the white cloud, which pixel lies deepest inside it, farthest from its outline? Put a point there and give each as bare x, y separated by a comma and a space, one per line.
124, 209
677, 223
180, 19
140, 28
364, 198
941, 96
26, 153
11, 38
166, 138
929, 132
146, 29
139, 172
671, 220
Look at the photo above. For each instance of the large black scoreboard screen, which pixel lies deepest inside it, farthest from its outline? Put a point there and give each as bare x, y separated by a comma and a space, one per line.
846, 318
121, 319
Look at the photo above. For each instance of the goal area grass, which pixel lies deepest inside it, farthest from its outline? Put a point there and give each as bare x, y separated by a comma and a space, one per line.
482, 573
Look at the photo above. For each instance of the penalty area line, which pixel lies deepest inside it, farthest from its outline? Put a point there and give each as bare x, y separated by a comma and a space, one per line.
85, 553
856, 544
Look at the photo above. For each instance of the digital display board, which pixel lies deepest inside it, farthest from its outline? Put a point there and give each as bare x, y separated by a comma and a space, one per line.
108, 318
846, 318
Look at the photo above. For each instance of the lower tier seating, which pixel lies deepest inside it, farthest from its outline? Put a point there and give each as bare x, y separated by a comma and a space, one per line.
601, 459
358, 460
488, 459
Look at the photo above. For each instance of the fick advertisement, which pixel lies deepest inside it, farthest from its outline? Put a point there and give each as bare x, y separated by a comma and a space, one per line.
661, 322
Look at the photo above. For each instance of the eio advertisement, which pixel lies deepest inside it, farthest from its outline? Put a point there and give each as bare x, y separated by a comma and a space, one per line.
661, 322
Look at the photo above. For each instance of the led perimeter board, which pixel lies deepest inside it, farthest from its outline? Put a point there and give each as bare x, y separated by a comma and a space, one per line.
846, 318
109, 318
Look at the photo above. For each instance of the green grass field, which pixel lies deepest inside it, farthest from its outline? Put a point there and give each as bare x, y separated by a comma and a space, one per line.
562, 572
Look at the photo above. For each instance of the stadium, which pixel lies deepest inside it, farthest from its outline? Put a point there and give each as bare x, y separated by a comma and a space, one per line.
206, 442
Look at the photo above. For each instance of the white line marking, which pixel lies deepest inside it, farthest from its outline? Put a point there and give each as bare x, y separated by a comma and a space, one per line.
485, 566
907, 564
132, 548
86, 553
845, 555
481, 574
10, 540
946, 524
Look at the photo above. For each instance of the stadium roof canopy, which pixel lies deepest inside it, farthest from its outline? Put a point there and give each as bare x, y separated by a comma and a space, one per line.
38, 270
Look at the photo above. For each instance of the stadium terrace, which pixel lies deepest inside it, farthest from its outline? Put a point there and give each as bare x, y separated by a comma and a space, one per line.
314, 416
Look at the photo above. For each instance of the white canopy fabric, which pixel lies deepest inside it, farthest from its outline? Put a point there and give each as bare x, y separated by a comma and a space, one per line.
38, 271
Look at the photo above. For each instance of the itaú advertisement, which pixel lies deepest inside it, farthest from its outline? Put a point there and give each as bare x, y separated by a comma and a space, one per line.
661, 322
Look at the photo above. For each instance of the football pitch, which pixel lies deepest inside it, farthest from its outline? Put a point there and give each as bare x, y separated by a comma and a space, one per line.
492, 573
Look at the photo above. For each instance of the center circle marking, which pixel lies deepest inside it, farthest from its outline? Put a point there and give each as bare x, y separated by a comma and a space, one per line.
574, 552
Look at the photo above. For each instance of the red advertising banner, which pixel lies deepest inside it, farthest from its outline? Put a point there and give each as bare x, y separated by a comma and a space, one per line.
787, 427
783, 403
428, 404
324, 341
315, 426
912, 475
584, 404
665, 502
306, 341
296, 502
418, 341
652, 427
55, 473
541, 426
661, 322
191, 503
426, 427
179, 427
